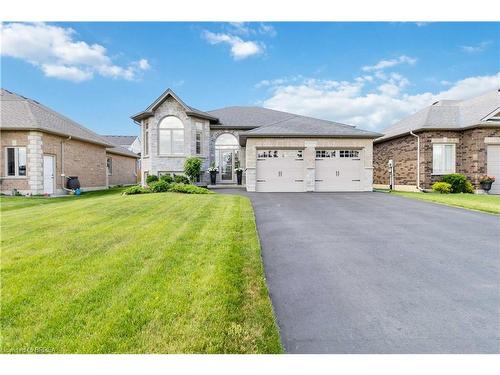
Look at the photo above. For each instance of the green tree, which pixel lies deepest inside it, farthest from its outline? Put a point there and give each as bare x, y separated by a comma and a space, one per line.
192, 168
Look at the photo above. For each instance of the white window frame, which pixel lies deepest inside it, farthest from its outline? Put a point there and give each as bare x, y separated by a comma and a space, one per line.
439, 167
16, 162
146, 138
109, 163
170, 132
198, 138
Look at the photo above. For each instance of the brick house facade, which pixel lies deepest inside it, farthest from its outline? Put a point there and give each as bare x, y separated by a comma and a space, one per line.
40, 148
471, 156
471, 143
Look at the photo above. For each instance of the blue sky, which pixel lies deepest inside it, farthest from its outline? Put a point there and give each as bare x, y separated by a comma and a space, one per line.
366, 74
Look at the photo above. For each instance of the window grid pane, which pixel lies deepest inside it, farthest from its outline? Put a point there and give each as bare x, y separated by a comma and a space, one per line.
21, 161
177, 141
165, 142
11, 164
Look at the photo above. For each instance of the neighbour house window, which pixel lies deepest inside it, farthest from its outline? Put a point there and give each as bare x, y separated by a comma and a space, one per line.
443, 158
16, 161
146, 138
109, 165
171, 136
199, 137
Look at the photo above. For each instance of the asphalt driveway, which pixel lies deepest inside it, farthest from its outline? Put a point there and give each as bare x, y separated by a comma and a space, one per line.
375, 273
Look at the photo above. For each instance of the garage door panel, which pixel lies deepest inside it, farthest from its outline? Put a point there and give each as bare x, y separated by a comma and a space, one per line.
493, 164
280, 171
338, 170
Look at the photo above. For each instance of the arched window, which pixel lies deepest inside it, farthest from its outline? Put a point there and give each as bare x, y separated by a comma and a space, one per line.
226, 140
171, 136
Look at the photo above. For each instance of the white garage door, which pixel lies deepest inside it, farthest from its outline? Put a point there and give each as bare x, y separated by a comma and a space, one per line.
280, 171
338, 170
493, 164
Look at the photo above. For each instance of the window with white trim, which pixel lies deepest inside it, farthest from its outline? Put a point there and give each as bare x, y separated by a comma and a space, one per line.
146, 138
443, 158
199, 137
109, 166
15, 161
171, 136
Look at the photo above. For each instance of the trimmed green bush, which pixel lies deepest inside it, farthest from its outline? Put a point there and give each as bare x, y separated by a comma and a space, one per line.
167, 178
189, 189
151, 178
457, 181
192, 168
159, 186
136, 189
468, 187
180, 179
442, 187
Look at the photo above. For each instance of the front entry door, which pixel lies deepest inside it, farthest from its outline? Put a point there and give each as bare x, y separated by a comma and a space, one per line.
48, 174
227, 165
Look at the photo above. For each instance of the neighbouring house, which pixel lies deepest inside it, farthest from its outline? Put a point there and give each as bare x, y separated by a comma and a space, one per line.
449, 136
41, 148
278, 151
130, 142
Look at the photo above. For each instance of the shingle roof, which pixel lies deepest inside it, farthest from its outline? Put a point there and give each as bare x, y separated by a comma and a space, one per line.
20, 113
122, 151
120, 140
268, 122
449, 114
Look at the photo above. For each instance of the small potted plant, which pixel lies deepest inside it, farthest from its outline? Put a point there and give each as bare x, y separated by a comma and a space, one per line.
239, 174
485, 182
213, 173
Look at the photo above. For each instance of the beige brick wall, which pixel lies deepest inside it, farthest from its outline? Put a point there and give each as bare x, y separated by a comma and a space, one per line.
82, 159
123, 171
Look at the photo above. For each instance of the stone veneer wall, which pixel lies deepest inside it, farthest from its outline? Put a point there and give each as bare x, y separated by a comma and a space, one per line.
123, 170
154, 162
309, 146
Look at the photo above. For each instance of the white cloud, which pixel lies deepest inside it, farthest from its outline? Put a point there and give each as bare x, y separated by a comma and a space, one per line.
377, 106
247, 29
384, 64
480, 47
240, 49
56, 52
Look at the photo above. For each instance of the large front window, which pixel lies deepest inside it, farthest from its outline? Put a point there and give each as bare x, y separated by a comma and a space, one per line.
16, 161
443, 158
171, 136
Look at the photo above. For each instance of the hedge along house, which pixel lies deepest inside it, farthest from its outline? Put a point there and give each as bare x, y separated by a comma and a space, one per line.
449, 136
278, 151
41, 147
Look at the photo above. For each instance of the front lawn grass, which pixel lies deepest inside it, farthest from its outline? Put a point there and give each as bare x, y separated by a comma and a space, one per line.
153, 273
478, 202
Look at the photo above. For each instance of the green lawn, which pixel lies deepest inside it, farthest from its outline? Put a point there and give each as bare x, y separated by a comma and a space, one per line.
153, 273
478, 202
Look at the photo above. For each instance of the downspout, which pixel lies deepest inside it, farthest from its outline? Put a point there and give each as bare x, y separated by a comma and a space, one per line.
63, 176
418, 160
142, 151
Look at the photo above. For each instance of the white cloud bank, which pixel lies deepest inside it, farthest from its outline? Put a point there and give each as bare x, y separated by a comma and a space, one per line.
384, 64
367, 101
56, 52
